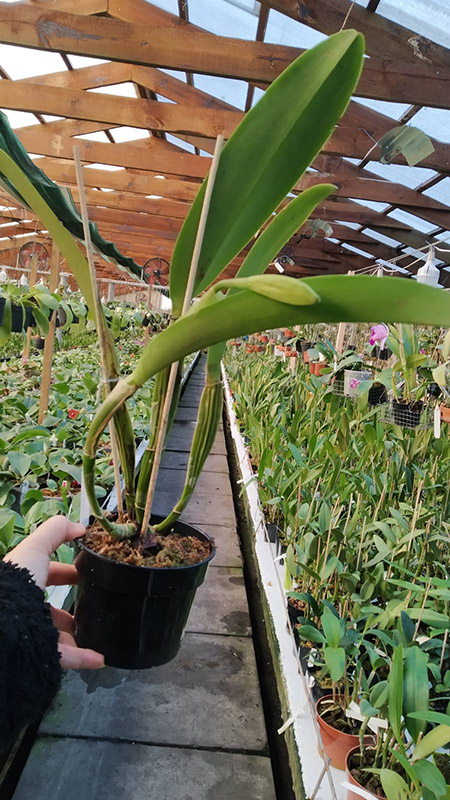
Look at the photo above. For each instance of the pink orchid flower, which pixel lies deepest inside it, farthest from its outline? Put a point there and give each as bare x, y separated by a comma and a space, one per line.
379, 334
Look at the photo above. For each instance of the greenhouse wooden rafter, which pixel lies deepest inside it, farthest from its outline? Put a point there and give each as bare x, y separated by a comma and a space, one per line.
139, 190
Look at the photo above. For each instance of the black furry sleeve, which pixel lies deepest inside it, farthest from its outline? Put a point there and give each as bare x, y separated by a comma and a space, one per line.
30, 670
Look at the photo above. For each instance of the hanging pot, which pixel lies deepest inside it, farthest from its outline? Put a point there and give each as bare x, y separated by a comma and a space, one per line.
21, 318
135, 616
352, 377
406, 414
350, 779
336, 744
434, 390
377, 395
383, 355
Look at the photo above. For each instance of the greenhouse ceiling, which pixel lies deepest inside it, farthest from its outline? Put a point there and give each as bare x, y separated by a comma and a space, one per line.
144, 88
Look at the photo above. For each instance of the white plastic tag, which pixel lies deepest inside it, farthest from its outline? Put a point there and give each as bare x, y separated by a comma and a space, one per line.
437, 422
356, 790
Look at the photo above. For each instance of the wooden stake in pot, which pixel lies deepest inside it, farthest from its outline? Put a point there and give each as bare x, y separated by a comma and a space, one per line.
49, 339
174, 367
98, 312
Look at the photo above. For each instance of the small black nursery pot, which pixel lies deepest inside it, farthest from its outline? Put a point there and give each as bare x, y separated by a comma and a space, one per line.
135, 616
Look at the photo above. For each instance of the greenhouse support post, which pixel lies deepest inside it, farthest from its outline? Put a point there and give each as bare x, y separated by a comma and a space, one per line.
32, 281
49, 339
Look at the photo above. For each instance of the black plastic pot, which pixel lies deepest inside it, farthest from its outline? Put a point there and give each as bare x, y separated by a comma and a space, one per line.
304, 346
407, 414
434, 390
383, 355
377, 395
21, 318
38, 342
272, 532
298, 345
318, 691
135, 616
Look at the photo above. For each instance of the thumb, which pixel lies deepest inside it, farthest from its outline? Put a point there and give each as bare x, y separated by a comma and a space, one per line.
56, 531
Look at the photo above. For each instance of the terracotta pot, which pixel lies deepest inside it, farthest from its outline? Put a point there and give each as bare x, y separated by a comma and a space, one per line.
287, 332
335, 743
306, 357
445, 413
291, 353
235, 343
352, 795
317, 367
263, 338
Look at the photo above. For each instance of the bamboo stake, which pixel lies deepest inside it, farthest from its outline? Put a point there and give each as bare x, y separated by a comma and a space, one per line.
33, 275
49, 339
98, 313
186, 305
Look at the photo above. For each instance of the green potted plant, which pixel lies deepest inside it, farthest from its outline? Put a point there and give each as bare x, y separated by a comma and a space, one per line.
340, 643
136, 612
408, 390
398, 765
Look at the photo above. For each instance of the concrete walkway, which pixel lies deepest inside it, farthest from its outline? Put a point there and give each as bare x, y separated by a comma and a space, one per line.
192, 729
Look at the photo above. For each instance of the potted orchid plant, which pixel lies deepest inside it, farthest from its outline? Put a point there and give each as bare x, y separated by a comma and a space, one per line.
139, 573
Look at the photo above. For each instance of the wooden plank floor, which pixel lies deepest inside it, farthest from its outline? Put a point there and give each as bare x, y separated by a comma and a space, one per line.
194, 728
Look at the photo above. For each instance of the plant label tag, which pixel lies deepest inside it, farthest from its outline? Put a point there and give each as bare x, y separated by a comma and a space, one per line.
375, 724
357, 790
437, 422
353, 712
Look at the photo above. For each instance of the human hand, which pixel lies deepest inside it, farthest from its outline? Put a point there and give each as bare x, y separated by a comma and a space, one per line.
34, 553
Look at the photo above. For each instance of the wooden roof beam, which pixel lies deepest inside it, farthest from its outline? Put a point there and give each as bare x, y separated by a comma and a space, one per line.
188, 50
117, 110
384, 38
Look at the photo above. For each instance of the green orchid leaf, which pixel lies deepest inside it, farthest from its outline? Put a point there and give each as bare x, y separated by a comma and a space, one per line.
44, 298
41, 321
311, 634
283, 225
355, 298
394, 786
430, 777
431, 716
335, 661
415, 689
438, 737
283, 289
5, 327
331, 627
292, 121
379, 695
367, 710
395, 682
